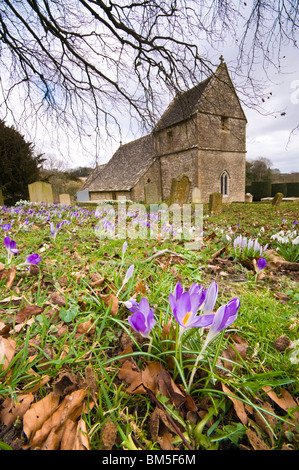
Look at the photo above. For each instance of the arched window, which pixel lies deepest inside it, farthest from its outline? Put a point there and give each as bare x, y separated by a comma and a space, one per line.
224, 183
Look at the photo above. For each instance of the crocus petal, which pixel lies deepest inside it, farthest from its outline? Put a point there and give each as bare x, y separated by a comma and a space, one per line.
129, 273
211, 297
202, 321
225, 316
137, 322
144, 306
7, 241
33, 259
261, 264
178, 291
142, 320
172, 302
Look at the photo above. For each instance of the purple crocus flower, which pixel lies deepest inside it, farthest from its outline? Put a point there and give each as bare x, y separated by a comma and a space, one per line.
261, 264
10, 245
128, 274
11, 248
132, 305
33, 259
6, 227
185, 311
142, 320
206, 299
224, 317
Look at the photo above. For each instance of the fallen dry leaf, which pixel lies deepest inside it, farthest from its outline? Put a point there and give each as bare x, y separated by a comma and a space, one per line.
11, 410
238, 405
7, 352
154, 377
161, 430
109, 434
86, 328
26, 312
110, 300
70, 408
38, 413
68, 435
285, 401
97, 280
81, 440
10, 274
256, 442
57, 299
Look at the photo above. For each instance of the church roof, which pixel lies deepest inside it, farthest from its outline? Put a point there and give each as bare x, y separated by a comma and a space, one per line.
125, 168
182, 106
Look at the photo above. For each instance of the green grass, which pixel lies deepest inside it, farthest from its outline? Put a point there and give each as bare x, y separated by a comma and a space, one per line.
52, 345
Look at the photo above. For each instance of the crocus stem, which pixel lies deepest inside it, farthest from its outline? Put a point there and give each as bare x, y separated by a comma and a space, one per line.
199, 358
150, 344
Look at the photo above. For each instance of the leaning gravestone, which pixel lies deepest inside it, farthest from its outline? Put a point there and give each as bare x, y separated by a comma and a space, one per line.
277, 199
180, 189
40, 192
1, 198
196, 196
83, 196
215, 203
65, 199
151, 193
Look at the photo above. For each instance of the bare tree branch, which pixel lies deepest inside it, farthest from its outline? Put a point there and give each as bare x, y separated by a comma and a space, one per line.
84, 63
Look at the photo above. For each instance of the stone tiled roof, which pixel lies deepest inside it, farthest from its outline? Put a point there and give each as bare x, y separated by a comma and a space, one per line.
182, 106
125, 168
93, 176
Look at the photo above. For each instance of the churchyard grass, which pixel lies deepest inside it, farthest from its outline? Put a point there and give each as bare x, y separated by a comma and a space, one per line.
244, 393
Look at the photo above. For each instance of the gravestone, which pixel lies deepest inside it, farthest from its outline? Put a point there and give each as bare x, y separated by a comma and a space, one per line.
151, 193
196, 196
65, 199
1, 198
40, 192
248, 197
277, 199
83, 196
180, 189
215, 203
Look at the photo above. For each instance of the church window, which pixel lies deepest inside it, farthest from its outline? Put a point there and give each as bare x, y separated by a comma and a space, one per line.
224, 123
169, 138
224, 183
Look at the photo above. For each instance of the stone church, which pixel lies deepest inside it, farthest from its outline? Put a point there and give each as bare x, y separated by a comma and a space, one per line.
202, 134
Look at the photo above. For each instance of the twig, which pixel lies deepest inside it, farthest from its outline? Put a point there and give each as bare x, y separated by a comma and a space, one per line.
162, 252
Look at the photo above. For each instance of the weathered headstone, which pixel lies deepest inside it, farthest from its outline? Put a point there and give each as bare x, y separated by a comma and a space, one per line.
215, 203
40, 191
1, 198
180, 189
151, 193
248, 197
196, 196
277, 199
65, 199
83, 196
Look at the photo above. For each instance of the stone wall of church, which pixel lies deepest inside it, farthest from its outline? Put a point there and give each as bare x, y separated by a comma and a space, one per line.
152, 174
177, 149
176, 164
212, 164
